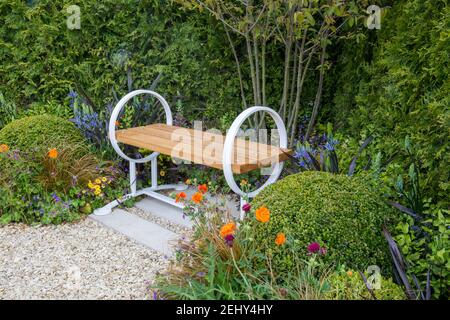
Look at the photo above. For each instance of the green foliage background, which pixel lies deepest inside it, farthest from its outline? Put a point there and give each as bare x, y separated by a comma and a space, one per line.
394, 83
41, 59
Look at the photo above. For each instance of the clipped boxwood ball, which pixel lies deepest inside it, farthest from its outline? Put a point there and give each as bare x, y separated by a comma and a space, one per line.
343, 214
40, 133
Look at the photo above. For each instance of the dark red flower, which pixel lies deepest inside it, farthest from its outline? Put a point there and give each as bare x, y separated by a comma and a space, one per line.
246, 207
229, 240
313, 247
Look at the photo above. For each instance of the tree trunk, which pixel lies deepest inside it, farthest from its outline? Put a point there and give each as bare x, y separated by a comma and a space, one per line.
318, 96
238, 67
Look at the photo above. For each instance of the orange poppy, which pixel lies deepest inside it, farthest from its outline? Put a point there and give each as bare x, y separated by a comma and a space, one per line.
197, 197
262, 214
203, 188
281, 239
179, 196
4, 148
227, 229
53, 154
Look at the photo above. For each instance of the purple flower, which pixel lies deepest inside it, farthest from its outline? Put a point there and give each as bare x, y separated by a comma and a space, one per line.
201, 274
313, 247
246, 207
56, 198
72, 94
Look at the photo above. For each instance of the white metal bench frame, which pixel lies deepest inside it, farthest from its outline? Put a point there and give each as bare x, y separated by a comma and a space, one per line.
153, 158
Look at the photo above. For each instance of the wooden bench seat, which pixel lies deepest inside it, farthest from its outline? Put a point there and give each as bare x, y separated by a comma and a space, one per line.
201, 147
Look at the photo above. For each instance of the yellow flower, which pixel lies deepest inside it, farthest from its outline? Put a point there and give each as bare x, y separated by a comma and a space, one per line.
98, 181
4, 148
91, 185
244, 182
162, 173
104, 179
188, 181
97, 192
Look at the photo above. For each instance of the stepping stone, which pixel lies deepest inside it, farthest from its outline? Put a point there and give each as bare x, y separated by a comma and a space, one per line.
142, 231
164, 210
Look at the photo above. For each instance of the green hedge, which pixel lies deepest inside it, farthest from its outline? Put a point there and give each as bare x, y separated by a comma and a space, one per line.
41, 59
342, 213
399, 86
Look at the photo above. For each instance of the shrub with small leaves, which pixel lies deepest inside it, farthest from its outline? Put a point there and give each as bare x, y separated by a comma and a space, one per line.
344, 215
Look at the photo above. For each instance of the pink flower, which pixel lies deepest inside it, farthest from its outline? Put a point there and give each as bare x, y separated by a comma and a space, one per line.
246, 207
313, 247
323, 251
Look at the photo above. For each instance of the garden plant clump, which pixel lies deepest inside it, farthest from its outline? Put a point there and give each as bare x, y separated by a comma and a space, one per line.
48, 173
218, 262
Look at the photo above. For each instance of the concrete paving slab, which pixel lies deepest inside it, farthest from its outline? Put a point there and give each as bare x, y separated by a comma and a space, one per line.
142, 231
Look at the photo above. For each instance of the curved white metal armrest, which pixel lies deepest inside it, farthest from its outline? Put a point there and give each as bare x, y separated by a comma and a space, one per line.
115, 115
229, 143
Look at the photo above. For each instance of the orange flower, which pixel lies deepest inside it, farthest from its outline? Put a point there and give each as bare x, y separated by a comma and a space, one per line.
4, 148
179, 196
281, 239
117, 123
203, 188
262, 214
227, 229
197, 198
350, 273
53, 154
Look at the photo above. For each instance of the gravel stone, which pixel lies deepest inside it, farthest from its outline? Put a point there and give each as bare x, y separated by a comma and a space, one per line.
81, 260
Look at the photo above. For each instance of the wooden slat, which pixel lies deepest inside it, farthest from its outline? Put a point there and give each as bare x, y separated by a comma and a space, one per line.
196, 146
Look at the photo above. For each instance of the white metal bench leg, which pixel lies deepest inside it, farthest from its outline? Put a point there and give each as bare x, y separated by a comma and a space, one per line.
133, 180
151, 191
241, 211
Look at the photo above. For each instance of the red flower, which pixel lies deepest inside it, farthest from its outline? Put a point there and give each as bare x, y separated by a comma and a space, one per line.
246, 207
229, 240
313, 247
179, 196
203, 188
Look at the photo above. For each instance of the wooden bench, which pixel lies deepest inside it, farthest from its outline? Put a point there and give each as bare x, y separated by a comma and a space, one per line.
162, 138
229, 153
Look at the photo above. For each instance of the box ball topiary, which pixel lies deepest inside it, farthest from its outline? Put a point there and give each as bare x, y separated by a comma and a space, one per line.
40, 133
343, 214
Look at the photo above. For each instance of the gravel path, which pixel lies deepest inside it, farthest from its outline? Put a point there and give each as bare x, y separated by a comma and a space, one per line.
74, 261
